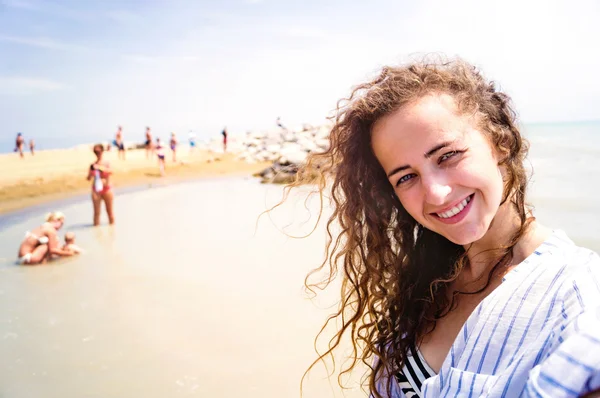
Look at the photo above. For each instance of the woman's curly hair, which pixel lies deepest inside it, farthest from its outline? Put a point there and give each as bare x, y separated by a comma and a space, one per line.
395, 273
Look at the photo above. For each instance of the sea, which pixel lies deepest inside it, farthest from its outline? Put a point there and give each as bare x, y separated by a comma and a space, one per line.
195, 292
192, 293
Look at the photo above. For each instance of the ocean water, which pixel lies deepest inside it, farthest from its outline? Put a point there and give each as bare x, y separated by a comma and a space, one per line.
188, 296
565, 164
185, 296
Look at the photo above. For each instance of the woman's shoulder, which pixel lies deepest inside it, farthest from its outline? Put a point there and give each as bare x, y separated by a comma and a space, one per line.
577, 270
563, 251
47, 228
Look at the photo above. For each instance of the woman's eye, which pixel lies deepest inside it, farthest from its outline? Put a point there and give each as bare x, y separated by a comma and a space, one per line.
448, 155
404, 179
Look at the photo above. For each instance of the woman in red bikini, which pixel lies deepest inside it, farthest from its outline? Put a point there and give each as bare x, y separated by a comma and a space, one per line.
100, 173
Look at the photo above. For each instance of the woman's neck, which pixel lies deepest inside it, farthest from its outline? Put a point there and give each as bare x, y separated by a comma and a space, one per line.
484, 254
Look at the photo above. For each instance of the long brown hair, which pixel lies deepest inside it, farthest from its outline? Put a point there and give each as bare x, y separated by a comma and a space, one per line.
395, 273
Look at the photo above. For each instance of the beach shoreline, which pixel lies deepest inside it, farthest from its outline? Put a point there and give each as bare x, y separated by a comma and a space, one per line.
56, 175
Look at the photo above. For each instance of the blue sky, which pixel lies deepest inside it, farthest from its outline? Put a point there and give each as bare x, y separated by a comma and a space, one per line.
80, 68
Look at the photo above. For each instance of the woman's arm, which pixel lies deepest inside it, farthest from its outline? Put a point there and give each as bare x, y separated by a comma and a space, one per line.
90, 173
571, 367
53, 244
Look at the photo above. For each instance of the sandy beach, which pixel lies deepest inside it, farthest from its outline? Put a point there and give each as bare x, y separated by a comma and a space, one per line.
57, 174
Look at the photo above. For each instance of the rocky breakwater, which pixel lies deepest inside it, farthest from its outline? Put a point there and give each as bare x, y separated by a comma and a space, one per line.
288, 149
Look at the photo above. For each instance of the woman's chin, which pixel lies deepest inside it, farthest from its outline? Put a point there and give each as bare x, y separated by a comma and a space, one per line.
464, 238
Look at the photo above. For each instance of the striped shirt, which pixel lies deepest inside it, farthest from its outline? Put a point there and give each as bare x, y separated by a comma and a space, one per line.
536, 335
414, 372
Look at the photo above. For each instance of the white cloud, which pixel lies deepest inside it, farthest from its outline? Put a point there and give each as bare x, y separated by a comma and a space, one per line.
306, 32
42, 42
27, 85
159, 59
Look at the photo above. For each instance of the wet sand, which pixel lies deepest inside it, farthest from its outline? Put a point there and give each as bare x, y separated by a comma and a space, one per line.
56, 174
184, 296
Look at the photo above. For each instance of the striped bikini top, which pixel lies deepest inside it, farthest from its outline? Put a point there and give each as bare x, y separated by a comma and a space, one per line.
414, 372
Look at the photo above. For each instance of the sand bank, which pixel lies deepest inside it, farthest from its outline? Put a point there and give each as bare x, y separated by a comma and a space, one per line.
56, 174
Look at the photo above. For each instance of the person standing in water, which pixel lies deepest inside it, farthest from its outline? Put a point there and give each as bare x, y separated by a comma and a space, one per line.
119, 143
173, 145
224, 133
160, 152
19, 144
100, 172
32, 146
149, 143
42, 242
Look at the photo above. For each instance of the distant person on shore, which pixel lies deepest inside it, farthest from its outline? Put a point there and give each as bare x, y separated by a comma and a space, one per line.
42, 242
173, 145
32, 146
192, 140
100, 173
279, 124
149, 143
160, 152
224, 134
19, 144
70, 245
119, 143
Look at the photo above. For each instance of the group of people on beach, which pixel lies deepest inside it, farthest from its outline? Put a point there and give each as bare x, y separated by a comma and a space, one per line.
153, 147
20, 145
42, 243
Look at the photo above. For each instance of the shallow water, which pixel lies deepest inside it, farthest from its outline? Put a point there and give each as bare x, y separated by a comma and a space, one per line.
182, 297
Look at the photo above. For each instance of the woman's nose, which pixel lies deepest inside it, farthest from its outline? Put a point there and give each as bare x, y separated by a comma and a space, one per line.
437, 191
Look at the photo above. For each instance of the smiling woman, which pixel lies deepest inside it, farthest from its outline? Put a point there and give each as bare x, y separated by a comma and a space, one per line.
450, 284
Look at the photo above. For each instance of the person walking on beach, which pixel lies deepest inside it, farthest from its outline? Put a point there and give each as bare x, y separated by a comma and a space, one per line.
149, 144
19, 144
119, 143
224, 134
451, 286
100, 173
173, 145
32, 146
192, 140
160, 153
279, 124
42, 242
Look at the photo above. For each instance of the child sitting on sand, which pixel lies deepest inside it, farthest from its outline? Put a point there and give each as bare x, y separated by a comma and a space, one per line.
70, 244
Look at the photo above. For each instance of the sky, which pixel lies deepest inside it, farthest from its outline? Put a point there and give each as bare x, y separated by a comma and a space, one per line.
77, 69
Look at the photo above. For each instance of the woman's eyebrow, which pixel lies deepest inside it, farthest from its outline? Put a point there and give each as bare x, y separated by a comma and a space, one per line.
427, 155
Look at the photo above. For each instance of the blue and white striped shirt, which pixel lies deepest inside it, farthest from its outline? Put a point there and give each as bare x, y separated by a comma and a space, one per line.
536, 335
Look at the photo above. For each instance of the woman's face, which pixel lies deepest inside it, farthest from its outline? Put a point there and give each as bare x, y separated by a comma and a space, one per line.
441, 166
57, 224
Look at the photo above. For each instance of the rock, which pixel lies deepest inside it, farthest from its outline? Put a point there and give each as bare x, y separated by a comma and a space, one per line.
288, 149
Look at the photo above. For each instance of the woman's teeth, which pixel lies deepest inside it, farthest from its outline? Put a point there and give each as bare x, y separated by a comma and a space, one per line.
455, 210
